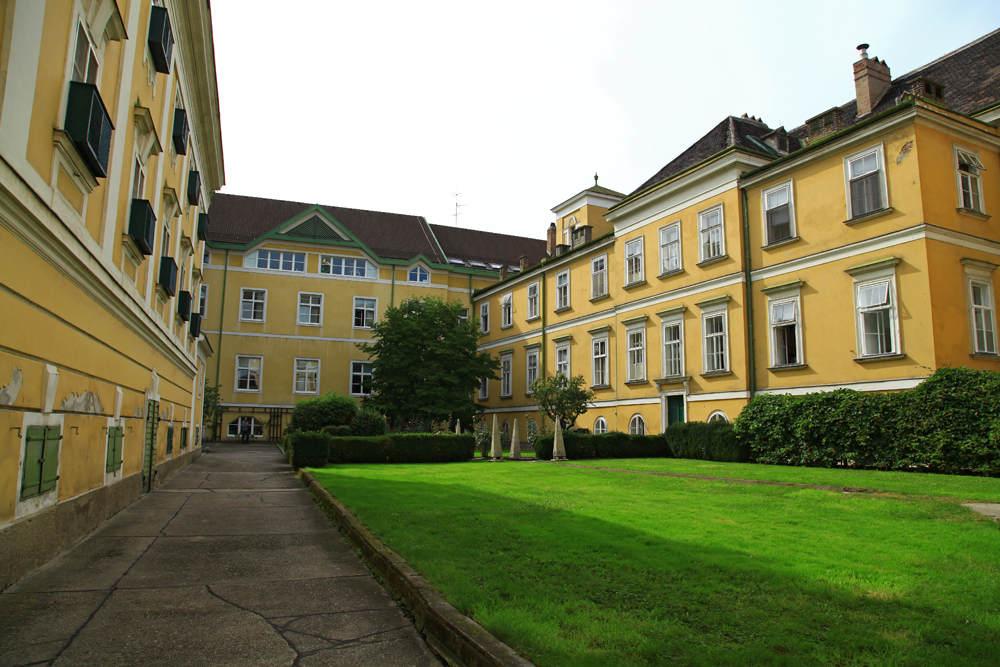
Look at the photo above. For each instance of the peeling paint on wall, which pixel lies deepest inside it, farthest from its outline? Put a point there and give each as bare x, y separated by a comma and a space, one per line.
87, 401
9, 393
136, 412
904, 152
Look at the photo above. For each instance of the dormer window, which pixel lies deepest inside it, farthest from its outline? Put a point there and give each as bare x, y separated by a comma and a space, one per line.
927, 88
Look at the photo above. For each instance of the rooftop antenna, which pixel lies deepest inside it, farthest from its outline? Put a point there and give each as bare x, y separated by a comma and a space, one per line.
456, 195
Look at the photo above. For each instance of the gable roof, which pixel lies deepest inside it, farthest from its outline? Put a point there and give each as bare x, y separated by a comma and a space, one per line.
240, 220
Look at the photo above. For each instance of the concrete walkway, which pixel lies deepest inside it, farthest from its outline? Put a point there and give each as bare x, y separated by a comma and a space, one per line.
228, 563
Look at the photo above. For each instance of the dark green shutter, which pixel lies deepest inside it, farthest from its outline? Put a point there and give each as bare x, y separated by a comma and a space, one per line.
170, 439
116, 435
50, 459
119, 442
184, 437
34, 444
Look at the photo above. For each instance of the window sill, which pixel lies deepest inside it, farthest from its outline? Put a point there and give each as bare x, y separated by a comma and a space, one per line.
778, 244
532, 319
670, 274
869, 216
672, 379
561, 310
505, 326
985, 356
310, 324
787, 367
528, 394
712, 260
600, 297
880, 357
601, 386
632, 382
712, 374
506, 396
637, 283
973, 213
248, 391
251, 321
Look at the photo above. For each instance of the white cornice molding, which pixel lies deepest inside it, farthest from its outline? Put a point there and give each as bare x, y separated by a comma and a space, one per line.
582, 199
534, 273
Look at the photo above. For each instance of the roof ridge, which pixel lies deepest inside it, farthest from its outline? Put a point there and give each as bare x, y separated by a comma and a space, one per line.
947, 55
483, 231
302, 203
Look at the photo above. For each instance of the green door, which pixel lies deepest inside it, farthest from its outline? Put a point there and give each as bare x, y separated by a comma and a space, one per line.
149, 451
675, 409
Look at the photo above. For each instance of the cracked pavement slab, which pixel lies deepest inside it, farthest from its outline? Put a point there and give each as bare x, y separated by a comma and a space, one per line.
229, 563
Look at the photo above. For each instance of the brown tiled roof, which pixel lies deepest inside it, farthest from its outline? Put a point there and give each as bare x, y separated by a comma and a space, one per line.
489, 247
240, 220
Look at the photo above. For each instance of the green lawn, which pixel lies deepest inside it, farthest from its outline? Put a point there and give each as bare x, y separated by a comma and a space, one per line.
572, 566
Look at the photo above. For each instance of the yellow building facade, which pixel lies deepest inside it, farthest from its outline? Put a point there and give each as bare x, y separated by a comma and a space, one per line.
111, 146
858, 250
292, 288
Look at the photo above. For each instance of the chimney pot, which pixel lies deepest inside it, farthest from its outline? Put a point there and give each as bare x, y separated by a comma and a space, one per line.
863, 48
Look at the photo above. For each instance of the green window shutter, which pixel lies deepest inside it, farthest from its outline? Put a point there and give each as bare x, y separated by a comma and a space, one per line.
114, 460
34, 443
119, 442
50, 459
184, 437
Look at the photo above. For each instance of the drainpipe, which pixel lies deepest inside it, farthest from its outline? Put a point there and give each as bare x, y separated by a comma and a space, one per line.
392, 289
751, 361
544, 316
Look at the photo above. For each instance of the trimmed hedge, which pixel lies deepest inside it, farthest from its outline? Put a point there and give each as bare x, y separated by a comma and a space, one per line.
712, 441
307, 449
403, 448
613, 445
330, 409
339, 431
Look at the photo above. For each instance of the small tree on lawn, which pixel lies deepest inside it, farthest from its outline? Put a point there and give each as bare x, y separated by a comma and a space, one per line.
562, 397
425, 362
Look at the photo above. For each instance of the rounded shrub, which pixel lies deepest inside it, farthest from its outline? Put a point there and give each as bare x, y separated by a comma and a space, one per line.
330, 409
368, 422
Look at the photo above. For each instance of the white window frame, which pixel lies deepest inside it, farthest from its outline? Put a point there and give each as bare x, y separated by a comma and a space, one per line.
256, 427
252, 261
532, 300
463, 315
868, 278
635, 355
203, 302
562, 291
675, 321
138, 179
791, 295
326, 261
665, 397
719, 310
311, 306
506, 375
260, 374
704, 233
373, 309
980, 273
529, 377
507, 310
634, 265
422, 275
976, 161
484, 388
600, 425
879, 152
787, 185
92, 69
635, 423
484, 317
305, 372
664, 249
206, 257
599, 365
361, 373
563, 347
243, 299
601, 273
718, 415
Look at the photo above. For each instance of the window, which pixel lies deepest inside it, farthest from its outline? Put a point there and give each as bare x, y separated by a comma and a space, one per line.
41, 460
276, 261
983, 317
865, 182
507, 310
562, 359
670, 248
310, 309
248, 372
85, 63
252, 304
484, 388
165, 241
715, 336
673, 348
600, 364
637, 425
600, 426
532, 301
505, 368
636, 351
633, 261
876, 313
779, 218
785, 333
484, 317
203, 302
531, 367
463, 315
712, 243
345, 266
970, 186
418, 275
562, 290
307, 376
364, 312
256, 427
718, 416
361, 378
206, 258
599, 276
138, 181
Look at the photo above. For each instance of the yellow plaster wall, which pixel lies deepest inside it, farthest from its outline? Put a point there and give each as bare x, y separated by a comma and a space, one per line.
81, 459
58, 32
10, 459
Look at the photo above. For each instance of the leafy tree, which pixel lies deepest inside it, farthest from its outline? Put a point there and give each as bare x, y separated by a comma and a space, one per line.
210, 408
425, 365
562, 397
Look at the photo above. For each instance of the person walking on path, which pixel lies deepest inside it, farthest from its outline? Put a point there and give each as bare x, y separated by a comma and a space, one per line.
245, 431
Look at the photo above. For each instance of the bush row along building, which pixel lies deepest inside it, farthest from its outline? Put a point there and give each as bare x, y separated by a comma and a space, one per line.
111, 147
858, 250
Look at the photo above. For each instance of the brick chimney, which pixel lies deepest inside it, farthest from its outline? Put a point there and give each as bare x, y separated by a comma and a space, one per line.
550, 247
503, 272
523, 262
871, 80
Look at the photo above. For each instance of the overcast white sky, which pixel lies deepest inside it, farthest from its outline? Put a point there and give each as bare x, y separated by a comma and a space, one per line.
394, 106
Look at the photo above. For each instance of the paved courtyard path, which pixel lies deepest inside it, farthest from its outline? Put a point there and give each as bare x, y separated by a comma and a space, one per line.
228, 563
